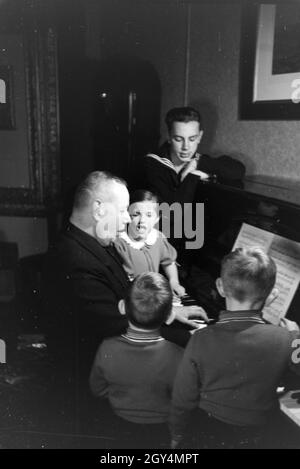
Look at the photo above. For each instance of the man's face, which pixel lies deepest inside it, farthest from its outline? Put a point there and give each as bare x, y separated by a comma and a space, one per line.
113, 212
184, 140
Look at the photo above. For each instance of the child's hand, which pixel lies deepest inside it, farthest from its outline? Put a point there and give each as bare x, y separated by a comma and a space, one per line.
187, 314
178, 289
289, 325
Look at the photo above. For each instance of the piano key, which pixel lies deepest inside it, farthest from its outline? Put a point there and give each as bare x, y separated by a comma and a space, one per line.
290, 405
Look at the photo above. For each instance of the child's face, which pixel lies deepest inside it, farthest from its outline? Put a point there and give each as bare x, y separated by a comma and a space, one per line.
143, 218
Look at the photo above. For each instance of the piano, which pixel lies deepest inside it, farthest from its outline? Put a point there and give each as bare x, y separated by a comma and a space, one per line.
290, 405
272, 204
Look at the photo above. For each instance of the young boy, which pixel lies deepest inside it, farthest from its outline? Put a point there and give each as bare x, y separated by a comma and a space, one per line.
230, 371
136, 370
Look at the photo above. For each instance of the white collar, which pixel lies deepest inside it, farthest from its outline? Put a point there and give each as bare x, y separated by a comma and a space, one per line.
168, 162
149, 241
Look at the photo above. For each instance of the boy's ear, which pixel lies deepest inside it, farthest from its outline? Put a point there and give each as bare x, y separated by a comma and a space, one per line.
121, 306
220, 288
272, 296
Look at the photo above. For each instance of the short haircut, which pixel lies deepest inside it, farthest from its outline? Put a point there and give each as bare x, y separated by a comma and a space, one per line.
149, 302
182, 114
142, 195
248, 274
95, 181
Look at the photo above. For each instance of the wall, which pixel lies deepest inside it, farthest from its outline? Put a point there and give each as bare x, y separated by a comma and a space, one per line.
157, 31
68, 18
29, 233
150, 31
266, 147
14, 142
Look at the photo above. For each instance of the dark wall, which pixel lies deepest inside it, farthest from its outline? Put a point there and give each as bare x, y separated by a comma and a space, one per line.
74, 87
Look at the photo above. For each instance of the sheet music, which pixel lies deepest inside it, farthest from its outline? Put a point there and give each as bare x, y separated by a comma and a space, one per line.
286, 254
250, 236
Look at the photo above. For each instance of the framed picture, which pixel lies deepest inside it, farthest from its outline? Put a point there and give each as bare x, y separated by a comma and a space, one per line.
269, 62
6, 98
29, 104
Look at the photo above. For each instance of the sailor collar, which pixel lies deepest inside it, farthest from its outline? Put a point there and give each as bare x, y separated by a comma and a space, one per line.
167, 162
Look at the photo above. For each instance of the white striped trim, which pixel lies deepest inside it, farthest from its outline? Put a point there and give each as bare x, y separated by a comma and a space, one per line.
163, 161
142, 339
169, 164
249, 319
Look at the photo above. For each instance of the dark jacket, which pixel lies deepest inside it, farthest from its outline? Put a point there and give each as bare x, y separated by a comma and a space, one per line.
84, 282
162, 179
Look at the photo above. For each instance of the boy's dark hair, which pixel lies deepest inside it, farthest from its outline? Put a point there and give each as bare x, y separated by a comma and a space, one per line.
182, 114
149, 301
248, 273
142, 195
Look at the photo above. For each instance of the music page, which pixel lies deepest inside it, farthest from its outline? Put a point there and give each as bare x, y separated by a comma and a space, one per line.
286, 254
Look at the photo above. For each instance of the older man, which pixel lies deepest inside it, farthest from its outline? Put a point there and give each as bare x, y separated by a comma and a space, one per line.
87, 274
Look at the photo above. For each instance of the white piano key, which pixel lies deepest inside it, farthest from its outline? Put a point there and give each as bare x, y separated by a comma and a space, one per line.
290, 406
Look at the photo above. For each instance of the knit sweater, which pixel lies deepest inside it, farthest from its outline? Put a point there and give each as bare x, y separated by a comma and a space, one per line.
231, 370
136, 372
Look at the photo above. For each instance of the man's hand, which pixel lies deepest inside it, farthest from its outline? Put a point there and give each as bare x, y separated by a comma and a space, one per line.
190, 167
184, 313
289, 325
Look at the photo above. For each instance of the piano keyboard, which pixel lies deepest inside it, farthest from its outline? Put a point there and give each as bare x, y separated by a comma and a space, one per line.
290, 405
185, 300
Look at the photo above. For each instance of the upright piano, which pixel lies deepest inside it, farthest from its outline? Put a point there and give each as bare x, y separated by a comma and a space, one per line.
272, 204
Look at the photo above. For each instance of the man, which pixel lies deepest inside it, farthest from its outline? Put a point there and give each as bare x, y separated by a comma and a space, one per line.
87, 273
174, 172
170, 173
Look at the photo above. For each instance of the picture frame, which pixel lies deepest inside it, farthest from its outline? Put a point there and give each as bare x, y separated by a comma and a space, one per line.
264, 95
30, 183
7, 116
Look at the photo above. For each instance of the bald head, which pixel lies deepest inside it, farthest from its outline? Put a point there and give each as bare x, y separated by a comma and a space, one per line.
100, 205
97, 183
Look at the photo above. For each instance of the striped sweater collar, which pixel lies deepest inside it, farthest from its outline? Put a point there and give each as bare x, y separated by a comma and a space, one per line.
166, 161
241, 316
142, 336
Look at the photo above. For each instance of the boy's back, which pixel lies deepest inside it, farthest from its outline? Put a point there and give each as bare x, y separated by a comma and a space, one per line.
240, 362
231, 370
136, 372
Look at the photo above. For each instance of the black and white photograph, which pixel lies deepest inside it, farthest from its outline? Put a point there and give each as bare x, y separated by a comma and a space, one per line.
149, 227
